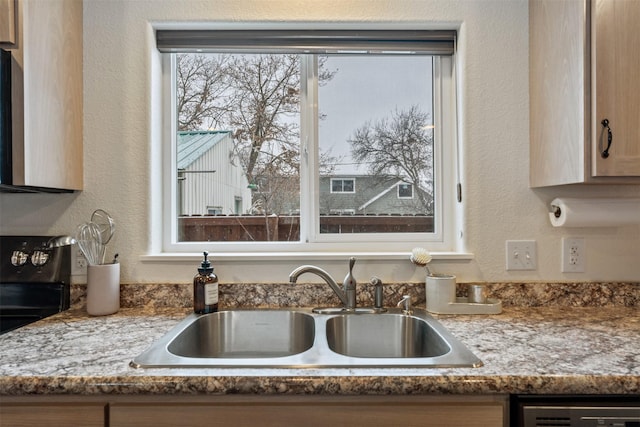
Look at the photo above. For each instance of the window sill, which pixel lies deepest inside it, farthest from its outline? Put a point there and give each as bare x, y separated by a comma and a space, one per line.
177, 257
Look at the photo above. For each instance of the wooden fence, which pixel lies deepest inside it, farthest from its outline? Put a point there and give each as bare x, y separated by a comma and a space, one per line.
242, 228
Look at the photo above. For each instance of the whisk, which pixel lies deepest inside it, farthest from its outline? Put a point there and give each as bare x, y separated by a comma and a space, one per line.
105, 223
90, 242
106, 226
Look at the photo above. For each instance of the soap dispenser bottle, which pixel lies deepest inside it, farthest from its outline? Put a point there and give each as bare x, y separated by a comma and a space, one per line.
205, 288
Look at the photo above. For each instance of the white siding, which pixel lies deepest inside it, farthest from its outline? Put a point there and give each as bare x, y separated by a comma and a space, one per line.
219, 189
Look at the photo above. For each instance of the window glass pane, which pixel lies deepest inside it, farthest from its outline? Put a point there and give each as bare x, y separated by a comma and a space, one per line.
238, 147
405, 190
342, 185
376, 126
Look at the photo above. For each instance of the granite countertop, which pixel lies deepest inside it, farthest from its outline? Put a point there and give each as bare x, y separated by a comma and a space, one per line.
581, 350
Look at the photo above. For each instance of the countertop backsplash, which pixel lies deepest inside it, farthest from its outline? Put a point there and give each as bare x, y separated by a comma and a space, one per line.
528, 294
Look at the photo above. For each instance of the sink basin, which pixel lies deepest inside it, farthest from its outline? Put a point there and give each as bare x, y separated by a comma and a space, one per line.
390, 335
245, 334
301, 338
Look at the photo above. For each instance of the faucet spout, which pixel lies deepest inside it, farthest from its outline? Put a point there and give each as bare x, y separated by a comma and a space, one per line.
293, 278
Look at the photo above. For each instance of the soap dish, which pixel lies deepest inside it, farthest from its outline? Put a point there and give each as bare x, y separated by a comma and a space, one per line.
463, 306
441, 297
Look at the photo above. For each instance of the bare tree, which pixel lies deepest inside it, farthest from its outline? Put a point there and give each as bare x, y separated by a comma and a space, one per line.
257, 97
265, 111
400, 146
265, 104
202, 89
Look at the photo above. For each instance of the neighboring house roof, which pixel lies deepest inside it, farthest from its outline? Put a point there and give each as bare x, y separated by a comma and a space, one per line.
381, 194
193, 144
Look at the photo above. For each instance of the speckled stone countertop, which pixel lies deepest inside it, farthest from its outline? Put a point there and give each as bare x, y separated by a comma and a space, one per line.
553, 349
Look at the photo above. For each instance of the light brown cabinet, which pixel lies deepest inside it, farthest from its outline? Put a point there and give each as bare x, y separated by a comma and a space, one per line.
238, 411
69, 414
379, 412
47, 95
584, 62
7, 22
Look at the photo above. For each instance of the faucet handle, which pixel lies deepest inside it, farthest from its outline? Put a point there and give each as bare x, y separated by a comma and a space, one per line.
349, 281
405, 302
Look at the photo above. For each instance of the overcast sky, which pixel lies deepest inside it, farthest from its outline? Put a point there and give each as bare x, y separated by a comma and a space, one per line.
369, 88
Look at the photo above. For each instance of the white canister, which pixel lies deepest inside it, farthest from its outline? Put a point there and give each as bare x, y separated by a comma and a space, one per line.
103, 289
440, 292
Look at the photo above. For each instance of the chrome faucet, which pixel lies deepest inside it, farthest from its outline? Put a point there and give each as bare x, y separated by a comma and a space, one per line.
347, 294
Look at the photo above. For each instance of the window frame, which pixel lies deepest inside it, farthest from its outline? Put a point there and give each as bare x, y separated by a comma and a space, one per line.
311, 240
331, 180
404, 197
214, 210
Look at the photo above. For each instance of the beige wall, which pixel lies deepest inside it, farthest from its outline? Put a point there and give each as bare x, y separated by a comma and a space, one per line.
121, 155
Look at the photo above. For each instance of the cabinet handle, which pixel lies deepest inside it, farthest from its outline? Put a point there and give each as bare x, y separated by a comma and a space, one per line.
605, 152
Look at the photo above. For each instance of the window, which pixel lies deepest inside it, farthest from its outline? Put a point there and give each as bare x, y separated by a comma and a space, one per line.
275, 136
214, 210
343, 185
405, 191
342, 212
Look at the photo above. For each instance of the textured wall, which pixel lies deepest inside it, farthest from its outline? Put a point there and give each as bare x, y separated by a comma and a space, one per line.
122, 160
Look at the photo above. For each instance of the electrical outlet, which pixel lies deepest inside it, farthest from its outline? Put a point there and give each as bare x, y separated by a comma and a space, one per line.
78, 262
573, 255
521, 254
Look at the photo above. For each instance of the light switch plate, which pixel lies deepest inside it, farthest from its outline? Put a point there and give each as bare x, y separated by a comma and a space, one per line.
521, 255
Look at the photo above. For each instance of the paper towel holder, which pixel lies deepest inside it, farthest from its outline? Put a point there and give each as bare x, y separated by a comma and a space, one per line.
594, 212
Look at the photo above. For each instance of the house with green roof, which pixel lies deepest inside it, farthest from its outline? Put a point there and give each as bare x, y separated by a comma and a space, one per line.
208, 182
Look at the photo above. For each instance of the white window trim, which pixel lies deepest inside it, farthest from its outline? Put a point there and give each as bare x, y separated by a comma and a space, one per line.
445, 240
213, 208
342, 179
404, 197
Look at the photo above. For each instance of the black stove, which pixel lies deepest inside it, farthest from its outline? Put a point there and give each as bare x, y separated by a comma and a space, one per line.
35, 276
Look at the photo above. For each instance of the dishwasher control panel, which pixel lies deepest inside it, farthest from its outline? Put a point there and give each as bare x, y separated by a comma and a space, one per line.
574, 410
581, 416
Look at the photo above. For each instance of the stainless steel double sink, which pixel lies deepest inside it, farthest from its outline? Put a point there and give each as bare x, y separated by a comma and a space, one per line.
300, 338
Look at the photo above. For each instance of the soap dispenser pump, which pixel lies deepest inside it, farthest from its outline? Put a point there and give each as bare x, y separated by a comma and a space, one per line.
205, 288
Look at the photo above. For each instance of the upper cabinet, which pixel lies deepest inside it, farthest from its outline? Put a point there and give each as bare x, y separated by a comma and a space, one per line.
47, 95
7, 21
584, 92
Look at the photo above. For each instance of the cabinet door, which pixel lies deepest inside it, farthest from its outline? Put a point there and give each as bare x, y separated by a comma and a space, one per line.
7, 22
52, 66
52, 414
558, 80
616, 87
335, 414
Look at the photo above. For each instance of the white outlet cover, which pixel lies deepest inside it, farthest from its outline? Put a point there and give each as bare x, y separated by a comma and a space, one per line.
521, 255
78, 262
574, 256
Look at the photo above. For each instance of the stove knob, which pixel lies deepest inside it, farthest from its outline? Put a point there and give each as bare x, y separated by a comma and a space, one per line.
19, 258
39, 258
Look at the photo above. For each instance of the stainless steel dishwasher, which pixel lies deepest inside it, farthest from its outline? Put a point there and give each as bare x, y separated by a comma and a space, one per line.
575, 411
